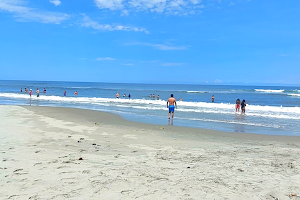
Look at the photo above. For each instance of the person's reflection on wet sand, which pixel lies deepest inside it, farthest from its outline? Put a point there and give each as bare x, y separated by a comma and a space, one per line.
170, 122
239, 126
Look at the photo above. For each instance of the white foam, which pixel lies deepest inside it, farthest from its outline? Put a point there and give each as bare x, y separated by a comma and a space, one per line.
296, 95
233, 122
196, 92
268, 91
183, 106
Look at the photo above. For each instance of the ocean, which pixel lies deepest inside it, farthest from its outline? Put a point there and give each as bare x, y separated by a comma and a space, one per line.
273, 110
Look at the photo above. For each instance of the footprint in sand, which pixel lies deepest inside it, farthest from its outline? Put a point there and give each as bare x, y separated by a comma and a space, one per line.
62, 167
141, 146
104, 133
37, 164
130, 136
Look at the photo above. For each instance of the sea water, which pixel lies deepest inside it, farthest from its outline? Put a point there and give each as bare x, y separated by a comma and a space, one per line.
271, 110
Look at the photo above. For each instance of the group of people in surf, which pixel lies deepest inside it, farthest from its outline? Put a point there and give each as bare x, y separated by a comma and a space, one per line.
153, 96
124, 95
38, 92
240, 105
30, 91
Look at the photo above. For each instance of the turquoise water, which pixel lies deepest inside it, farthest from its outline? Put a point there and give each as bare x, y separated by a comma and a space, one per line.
271, 110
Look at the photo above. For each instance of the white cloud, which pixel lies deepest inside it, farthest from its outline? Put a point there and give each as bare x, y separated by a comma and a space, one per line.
22, 12
171, 64
218, 81
160, 6
87, 22
55, 2
164, 47
106, 58
110, 4
167, 47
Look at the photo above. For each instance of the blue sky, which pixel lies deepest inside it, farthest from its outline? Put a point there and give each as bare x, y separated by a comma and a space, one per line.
151, 41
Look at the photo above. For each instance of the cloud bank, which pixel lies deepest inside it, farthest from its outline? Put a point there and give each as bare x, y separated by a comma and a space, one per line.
163, 47
55, 2
25, 13
89, 23
159, 6
106, 58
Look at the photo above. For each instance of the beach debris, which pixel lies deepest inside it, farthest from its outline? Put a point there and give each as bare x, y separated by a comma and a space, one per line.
80, 159
81, 138
94, 144
78, 141
188, 167
162, 128
96, 123
69, 136
240, 170
293, 195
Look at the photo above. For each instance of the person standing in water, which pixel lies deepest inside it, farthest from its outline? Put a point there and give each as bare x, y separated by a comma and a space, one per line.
37, 92
118, 95
21, 90
213, 98
129, 96
171, 103
237, 105
30, 93
76, 93
44, 90
65, 93
243, 106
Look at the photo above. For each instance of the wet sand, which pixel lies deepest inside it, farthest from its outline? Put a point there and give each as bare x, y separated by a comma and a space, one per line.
68, 153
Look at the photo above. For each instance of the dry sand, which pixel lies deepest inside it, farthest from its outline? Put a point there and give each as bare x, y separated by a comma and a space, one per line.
67, 153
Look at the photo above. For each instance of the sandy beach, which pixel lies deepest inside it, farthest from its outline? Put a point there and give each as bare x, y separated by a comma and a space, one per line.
68, 153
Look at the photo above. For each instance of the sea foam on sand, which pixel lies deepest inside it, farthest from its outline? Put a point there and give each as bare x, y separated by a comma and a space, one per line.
67, 153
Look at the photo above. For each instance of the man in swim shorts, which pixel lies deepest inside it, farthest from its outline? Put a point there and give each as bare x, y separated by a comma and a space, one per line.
171, 103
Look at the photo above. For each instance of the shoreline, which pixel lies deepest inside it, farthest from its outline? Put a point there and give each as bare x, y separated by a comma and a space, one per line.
111, 118
69, 153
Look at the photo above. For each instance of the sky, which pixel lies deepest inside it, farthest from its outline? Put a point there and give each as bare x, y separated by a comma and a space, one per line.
151, 41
